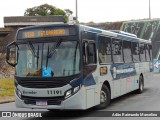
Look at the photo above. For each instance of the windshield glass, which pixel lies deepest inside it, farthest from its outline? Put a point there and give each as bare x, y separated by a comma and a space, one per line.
53, 59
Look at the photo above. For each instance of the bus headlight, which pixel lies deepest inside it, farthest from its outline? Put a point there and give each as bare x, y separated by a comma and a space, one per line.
68, 94
71, 92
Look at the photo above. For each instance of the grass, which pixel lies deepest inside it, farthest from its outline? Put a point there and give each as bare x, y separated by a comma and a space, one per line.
6, 87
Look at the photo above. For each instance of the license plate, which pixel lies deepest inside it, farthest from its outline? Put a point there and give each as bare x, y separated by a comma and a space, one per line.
41, 102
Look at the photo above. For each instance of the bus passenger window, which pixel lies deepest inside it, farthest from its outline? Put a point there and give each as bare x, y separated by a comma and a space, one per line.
147, 52
105, 50
117, 51
127, 51
150, 49
142, 52
135, 51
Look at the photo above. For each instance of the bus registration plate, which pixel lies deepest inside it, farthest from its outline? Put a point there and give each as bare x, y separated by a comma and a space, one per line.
41, 102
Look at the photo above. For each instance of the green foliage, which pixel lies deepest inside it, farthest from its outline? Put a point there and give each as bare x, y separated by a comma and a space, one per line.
68, 12
46, 10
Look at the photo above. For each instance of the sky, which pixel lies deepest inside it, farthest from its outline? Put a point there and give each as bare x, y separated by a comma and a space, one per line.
88, 10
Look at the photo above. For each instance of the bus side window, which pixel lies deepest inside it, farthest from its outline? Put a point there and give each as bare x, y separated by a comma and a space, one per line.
135, 51
105, 51
127, 51
142, 52
147, 52
91, 53
117, 51
150, 49
89, 57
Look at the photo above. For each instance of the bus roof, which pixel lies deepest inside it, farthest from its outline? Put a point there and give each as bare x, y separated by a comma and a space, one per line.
115, 33
112, 33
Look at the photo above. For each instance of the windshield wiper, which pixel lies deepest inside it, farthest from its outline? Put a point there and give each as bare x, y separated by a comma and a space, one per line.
33, 50
31, 47
52, 51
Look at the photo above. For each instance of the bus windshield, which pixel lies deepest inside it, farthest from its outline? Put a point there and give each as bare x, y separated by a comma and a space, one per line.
50, 59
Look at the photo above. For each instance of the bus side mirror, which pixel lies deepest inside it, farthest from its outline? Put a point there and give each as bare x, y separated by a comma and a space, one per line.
11, 54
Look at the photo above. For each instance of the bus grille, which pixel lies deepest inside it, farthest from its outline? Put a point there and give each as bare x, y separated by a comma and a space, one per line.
42, 83
50, 100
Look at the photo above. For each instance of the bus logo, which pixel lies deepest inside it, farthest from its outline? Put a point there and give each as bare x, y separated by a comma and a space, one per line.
120, 71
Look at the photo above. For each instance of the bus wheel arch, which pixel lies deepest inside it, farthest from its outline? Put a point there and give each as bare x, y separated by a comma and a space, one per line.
105, 96
106, 83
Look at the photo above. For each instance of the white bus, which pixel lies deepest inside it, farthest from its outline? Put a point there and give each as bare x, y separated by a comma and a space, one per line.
76, 67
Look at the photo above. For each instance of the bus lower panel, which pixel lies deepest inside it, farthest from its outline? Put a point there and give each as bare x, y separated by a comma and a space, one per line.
74, 102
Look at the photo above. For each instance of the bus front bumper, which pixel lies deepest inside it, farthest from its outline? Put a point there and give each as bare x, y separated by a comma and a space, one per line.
76, 101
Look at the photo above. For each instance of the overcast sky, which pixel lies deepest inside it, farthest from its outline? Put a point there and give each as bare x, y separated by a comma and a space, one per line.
88, 10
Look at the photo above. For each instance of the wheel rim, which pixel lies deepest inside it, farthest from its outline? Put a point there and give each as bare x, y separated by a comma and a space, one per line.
103, 97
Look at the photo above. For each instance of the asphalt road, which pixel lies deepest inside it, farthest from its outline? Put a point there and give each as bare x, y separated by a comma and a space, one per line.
149, 100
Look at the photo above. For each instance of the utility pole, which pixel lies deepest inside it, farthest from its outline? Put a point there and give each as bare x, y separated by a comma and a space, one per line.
76, 12
149, 9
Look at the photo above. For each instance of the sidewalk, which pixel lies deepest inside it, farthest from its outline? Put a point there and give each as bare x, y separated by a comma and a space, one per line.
6, 99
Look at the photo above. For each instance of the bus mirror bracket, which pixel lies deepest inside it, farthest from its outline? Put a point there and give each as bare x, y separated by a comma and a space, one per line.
9, 51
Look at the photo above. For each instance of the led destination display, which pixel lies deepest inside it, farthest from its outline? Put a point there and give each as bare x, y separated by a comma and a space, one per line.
46, 32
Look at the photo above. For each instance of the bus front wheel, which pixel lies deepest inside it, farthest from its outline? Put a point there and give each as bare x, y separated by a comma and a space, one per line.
105, 98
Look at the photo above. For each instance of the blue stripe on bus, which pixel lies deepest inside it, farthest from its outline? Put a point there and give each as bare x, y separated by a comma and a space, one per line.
89, 80
76, 82
122, 70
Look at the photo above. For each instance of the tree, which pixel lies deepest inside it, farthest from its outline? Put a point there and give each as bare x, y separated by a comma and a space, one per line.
45, 10
68, 12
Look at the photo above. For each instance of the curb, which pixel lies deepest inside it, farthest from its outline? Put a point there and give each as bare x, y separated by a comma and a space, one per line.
7, 101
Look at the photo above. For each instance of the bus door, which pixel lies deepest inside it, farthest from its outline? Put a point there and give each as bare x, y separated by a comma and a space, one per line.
89, 66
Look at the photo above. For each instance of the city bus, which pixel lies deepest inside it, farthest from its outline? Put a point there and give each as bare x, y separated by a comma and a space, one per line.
71, 67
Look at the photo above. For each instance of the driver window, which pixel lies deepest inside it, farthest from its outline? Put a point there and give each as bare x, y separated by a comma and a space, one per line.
91, 53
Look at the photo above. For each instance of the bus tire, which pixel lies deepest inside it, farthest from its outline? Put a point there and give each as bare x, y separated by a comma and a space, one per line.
141, 85
105, 98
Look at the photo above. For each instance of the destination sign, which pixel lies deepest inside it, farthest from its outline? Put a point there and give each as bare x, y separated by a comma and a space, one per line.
44, 33
47, 32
